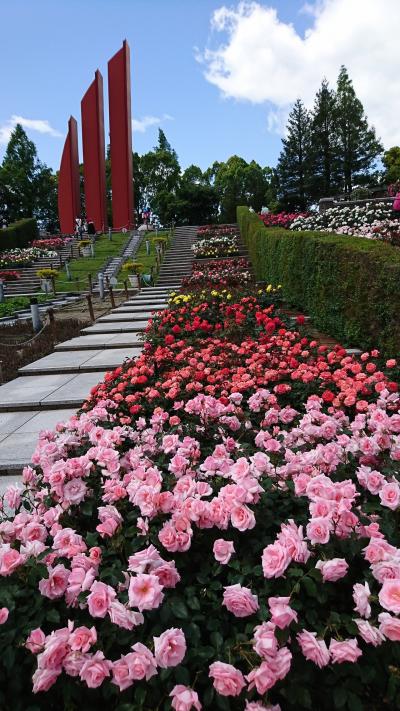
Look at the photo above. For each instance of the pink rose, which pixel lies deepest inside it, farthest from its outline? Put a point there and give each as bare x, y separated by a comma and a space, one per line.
56, 584
73, 663
240, 600
120, 672
258, 706
141, 662
100, 599
82, 639
242, 517
35, 641
281, 613
223, 550
121, 616
346, 651
184, 698
167, 574
361, 595
4, 612
275, 560
95, 670
389, 626
74, 491
169, 648
107, 527
10, 559
370, 634
318, 530
145, 592
389, 596
43, 679
268, 673
315, 650
227, 680
332, 570
266, 644
390, 495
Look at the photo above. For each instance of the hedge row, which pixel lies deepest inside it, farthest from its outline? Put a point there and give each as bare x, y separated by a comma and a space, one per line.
350, 286
19, 234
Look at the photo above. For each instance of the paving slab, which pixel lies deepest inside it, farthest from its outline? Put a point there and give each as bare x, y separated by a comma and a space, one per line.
125, 315
116, 327
28, 391
59, 361
137, 309
75, 391
11, 421
110, 358
98, 341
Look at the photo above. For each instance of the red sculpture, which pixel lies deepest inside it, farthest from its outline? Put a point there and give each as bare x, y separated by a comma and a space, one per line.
69, 203
92, 109
119, 97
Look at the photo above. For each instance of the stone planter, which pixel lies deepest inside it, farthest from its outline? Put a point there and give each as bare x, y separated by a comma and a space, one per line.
46, 285
86, 251
134, 280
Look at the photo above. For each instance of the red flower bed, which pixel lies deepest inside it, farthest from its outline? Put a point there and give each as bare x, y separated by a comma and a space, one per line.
51, 243
9, 275
281, 219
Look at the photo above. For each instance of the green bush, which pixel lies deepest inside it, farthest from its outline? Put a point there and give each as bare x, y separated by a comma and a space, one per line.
350, 286
19, 234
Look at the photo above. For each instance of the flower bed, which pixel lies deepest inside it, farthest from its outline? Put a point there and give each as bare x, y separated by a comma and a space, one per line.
216, 230
282, 219
218, 246
24, 257
374, 221
215, 530
52, 243
9, 275
221, 272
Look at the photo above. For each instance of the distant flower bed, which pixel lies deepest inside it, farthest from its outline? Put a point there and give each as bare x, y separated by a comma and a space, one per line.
282, 219
9, 275
24, 257
224, 272
220, 246
373, 221
216, 230
51, 243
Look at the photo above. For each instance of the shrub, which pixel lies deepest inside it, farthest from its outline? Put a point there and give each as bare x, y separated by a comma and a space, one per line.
133, 267
47, 273
19, 234
348, 285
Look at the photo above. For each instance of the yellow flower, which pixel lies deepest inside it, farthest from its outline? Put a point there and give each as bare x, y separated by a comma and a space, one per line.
229, 296
259, 291
214, 293
268, 289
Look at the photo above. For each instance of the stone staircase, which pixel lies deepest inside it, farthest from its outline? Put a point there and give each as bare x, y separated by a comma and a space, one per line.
178, 260
28, 282
113, 265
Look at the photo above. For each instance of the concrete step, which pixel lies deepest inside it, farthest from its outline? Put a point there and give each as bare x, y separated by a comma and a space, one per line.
114, 316
79, 361
115, 327
47, 391
97, 341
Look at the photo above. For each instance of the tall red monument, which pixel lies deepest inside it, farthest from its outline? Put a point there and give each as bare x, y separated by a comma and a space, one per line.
69, 203
94, 168
119, 97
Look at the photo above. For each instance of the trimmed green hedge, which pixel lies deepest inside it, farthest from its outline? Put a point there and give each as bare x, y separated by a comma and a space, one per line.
350, 286
19, 234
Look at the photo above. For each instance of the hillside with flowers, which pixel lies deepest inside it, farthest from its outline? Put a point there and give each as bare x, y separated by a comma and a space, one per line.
217, 528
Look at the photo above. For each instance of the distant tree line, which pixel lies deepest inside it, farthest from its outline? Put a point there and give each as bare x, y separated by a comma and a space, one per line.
328, 150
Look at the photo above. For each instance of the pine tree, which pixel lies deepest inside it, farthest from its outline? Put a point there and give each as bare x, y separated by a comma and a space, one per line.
358, 146
325, 166
294, 163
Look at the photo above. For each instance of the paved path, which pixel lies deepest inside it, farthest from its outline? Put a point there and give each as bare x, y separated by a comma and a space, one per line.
52, 388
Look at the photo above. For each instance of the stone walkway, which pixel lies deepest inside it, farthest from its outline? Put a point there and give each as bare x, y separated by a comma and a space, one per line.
51, 389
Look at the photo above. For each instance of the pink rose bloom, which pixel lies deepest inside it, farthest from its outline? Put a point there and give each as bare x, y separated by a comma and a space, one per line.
107, 527
82, 639
95, 670
120, 672
275, 560
167, 574
73, 663
145, 592
390, 495
35, 641
389, 596
4, 612
74, 491
318, 530
227, 680
258, 706
43, 679
240, 600
223, 550
100, 599
242, 517
184, 698
389, 626
332, 570
141, 662
266, 644
169, 648
56, 584
12, 496
121, 616
281, 613
315, 650
346, 651
10, 559
361, 594
370, 634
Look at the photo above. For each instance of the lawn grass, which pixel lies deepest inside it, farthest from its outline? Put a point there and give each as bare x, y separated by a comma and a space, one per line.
141, 256
82, 267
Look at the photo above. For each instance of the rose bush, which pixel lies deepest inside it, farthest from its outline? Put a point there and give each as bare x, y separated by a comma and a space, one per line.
216, 246
216, 529
282, 219
23, 257
373, 221
221, 273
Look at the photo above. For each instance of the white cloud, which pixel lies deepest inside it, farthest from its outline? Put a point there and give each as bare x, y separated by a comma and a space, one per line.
144, 123
39, 125
265, 60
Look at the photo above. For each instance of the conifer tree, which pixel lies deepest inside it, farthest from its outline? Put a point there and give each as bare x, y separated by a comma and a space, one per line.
295, 160
325, 164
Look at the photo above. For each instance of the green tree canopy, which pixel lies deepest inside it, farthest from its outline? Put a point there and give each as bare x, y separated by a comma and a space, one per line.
391, 161
295, 161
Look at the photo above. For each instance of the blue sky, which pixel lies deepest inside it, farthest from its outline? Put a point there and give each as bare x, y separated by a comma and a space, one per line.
50, 49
